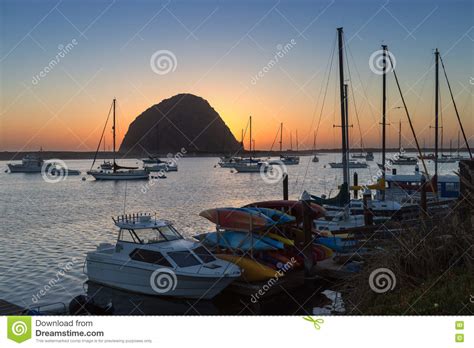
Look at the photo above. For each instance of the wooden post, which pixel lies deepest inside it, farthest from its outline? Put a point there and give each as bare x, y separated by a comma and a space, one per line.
466, 195
308, 238
423, 204
368, 217
356, 182
285, 186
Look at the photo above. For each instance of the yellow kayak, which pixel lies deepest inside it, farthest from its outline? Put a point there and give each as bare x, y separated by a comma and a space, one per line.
277, 237
253, 271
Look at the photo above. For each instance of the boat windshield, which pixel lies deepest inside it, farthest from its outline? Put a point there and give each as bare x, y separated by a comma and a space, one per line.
156, 234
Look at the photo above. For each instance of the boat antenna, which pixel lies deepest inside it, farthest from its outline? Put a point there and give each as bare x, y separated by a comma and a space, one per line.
101, 137
455, 108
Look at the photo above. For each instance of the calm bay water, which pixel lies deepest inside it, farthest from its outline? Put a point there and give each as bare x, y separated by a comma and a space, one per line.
48, 226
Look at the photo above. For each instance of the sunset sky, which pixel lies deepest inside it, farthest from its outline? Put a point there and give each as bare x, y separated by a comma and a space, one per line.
220, 48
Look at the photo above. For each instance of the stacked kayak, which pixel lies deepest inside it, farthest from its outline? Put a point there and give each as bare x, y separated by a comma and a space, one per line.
239, 241
260, 238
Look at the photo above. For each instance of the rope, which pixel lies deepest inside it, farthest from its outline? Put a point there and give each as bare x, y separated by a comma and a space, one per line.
455, 108
101, 137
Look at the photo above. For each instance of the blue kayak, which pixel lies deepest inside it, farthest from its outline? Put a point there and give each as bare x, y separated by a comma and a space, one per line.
337, 243
239, 240
278, 217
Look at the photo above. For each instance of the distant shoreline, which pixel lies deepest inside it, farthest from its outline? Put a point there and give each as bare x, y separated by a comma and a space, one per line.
17, 156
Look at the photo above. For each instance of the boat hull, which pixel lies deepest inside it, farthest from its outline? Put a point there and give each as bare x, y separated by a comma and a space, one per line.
128, 277
142, 175
18, 168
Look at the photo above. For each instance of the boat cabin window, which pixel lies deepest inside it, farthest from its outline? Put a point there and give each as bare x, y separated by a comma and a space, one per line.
150, 235
184, 258
149, 256
204, 254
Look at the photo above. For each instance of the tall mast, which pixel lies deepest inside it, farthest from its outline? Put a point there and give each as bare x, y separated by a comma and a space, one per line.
436, 108
250, 140
314, 141
346, 104
384, 109
458, 142
113, 132
297, 148
281, 137
291, 141
400, 135
343, 109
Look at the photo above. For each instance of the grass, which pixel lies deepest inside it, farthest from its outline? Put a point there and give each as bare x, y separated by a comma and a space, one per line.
434, 273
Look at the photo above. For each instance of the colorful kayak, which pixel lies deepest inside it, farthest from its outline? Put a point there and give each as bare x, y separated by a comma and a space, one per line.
282, 239
290, 207
237, 219
277, 216
336, 243
253, 271
239, 240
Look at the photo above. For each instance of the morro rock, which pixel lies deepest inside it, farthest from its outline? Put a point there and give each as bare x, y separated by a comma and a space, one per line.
183, 121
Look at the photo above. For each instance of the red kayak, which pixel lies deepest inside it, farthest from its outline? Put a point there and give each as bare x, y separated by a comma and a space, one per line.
294, 208
237, 219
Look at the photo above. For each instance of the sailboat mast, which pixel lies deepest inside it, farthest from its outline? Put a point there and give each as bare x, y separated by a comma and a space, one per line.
291, 141
400, 135
436, 108
297, 148
384, 110
343, 109
281, 137
250, 140
314, 141
113, 132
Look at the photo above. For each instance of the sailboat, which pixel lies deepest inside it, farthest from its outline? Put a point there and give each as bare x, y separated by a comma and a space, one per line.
403, 187
285, 159
402, 159
315, 158
250, 166
117, 172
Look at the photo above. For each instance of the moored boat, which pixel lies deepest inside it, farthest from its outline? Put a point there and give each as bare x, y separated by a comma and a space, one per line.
31, 163
151, 257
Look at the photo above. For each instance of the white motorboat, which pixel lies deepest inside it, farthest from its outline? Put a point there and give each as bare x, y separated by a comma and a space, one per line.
161, 166
287, 160
342, 221
31, 163
151, 257
251, 167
